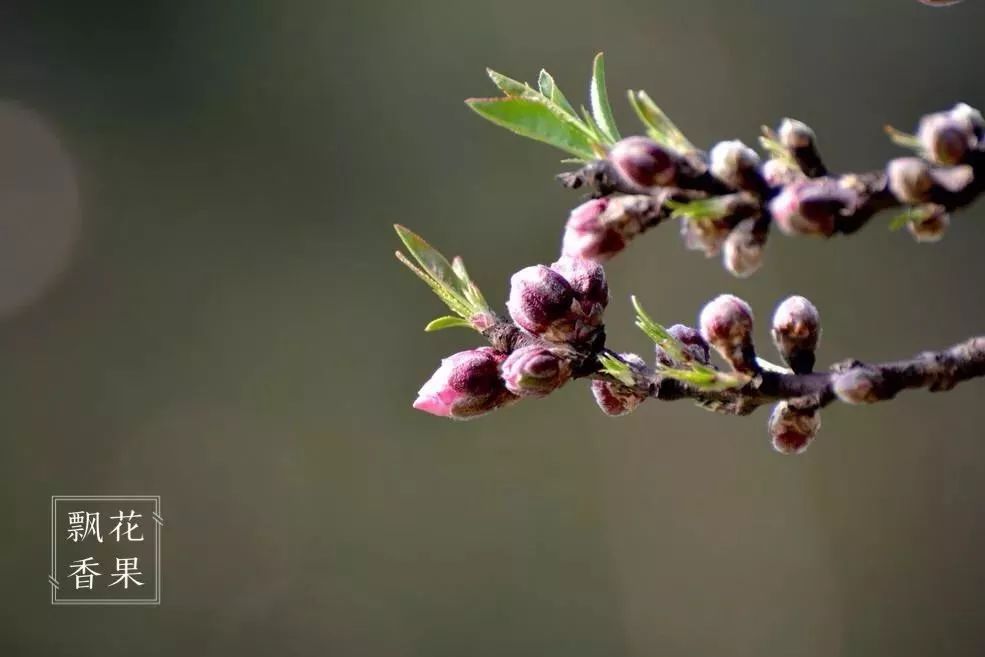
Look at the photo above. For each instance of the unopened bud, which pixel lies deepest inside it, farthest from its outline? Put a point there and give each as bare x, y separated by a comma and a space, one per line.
694, 346
615, 398
930, 228
705, 235
466, 385
910, 179
795, 134
540, 301
726, 324
777, 172
587, 279
643, 162
812, 207
858, 385
742, 255
971, 118
535, 371
796, 332
945, 139
792, 429
732, 162
600, 228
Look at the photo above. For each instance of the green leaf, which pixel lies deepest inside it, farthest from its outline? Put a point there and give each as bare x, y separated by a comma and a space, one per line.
617, 369
657, 333
702, 209
539, 120
705, 378
550, 91
904, 139
659, 126
589, 120
599, 96
446, 322
469, 289
435, 270
509, 86
911, 214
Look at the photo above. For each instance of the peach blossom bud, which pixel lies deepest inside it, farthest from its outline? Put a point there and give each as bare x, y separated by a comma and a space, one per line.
796, 332
643, 162
792, 429
858, 385
812, 207
726, 324
910, 179
732, 162
466, 385
932, 228
616, 399
535, 371
945, 139
795, 134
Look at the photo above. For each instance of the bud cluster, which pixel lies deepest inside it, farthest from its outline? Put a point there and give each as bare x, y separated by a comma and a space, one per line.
562, 303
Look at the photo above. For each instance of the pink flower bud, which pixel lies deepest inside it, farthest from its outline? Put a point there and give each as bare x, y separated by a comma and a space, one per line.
535, 371
742, 255
910, 179
694, 345
945, 139
643, 162
932, 228
587, 279
588, 235
466, 385
732, 162
726, 324
792, 429
857, 385
812, 207
616, 399
777, 172
796, 332
795, 134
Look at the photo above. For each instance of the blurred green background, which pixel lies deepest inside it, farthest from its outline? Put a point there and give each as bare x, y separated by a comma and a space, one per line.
199, 300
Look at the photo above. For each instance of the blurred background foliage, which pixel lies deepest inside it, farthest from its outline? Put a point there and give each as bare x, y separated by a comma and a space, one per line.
199, 300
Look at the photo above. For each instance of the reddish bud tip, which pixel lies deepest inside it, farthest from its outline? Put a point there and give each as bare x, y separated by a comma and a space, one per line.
643, 162
812, 207
796, 332
466, 385
587, 279
792, 429
535, 371
588, 235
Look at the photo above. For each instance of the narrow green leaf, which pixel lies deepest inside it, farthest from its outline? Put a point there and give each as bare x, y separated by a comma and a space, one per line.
454, 302
658, 333
770, 142
471, 291
550, 90
904, 139
599, 96
507, 85
617, 369
446, 322
537, 120
705, 379
911, 214
702, 209
660, 128
429, 258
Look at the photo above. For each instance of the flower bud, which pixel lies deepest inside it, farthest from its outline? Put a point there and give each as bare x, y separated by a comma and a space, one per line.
643, 162
540, 301
796, 332
795, 134
694, 345
743, 251
535, 371
971, 118
587, 279
466, 385
812, 207
792, 429
726, 324
944, 138
858, 385
932, 227
706, 235
616, 399
910, 179
777, 172
588, 235
732, 162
